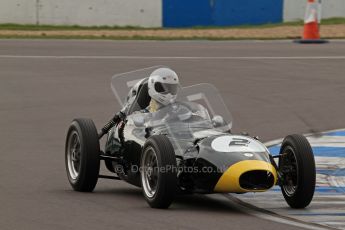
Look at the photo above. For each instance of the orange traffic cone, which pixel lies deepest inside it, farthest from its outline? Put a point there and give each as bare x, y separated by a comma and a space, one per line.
312, 19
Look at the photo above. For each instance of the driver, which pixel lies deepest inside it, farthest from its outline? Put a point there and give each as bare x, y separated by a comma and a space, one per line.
163, 85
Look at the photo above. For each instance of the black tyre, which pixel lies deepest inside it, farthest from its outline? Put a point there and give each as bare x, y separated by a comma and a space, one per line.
82, 155
158, 172
297, 167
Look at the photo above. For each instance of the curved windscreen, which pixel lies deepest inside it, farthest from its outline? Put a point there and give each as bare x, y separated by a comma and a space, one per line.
196, 104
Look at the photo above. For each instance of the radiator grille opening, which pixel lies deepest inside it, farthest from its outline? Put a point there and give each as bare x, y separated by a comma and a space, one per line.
256, 180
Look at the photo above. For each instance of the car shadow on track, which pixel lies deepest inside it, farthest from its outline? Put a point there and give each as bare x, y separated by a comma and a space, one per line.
201, 203
195, 202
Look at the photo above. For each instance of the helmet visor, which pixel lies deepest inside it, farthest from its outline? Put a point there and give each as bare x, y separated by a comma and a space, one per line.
165, 88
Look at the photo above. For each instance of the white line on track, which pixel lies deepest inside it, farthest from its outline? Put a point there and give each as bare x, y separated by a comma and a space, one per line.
176, 57
327, 141
271, 216
278, 141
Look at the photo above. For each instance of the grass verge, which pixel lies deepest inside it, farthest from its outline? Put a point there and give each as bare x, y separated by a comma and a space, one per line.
331, 28
31, 27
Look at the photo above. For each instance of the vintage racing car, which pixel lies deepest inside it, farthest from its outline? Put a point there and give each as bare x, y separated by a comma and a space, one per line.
185, 147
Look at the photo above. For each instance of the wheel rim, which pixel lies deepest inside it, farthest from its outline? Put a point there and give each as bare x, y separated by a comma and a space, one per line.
149, 173
73, 155
290, 171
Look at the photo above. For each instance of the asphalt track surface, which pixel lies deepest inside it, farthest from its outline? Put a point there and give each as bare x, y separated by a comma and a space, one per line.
272, 88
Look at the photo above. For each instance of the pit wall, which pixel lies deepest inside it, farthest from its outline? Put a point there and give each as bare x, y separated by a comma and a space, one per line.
159, 13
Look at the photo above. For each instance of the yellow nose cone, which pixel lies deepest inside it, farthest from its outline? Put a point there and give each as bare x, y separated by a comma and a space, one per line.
229, 182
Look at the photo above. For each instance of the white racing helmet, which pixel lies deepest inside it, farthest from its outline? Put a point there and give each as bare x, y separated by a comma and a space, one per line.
163, 85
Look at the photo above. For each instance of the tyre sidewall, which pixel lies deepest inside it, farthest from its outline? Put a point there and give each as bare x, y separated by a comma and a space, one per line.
89, 158
167, 181
305, 170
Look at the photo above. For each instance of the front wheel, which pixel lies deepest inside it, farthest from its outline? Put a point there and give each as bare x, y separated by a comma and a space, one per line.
158, 172
297, 167
82, 155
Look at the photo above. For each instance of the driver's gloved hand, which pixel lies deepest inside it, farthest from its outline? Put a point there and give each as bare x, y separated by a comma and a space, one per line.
120, 116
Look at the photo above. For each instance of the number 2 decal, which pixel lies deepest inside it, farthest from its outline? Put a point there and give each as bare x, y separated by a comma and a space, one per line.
239, 142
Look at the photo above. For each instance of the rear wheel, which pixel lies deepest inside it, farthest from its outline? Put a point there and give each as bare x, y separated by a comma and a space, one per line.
297, 167
82, 155
158, 172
